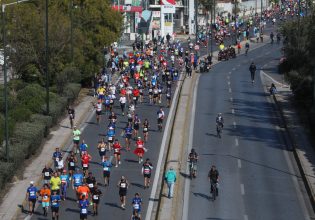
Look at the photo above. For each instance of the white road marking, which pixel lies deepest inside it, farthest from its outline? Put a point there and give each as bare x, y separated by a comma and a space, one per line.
236, 141
275, 81
190, 143
245, 217
228, 77
239, 163
230, 72
231, 99
234, 124
230, 90
234, 68
229, 83
242, 189
233, 111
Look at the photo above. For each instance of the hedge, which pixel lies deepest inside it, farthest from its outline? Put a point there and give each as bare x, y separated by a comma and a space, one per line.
57, 108
46, 120
6, 173
71, 91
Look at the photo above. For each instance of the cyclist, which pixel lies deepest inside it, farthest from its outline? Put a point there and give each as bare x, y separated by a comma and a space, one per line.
193, 158
64, 184
146, 171
252, 70
55, 203
45, 194
213, 177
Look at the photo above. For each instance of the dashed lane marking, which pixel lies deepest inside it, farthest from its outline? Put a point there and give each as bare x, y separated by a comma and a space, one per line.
242, 189
236, 141
239, 163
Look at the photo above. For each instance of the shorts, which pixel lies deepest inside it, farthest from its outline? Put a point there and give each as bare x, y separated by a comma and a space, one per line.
106, 173
117, 153
150, 93
83, 216
98, 112
102, 153
155, 95
148, 175
160, 121
122, 192
76, 142
96, 201
112, 140
85, 168
55, 209
32, 200
128, 136
136, 127
45, 204
71, 167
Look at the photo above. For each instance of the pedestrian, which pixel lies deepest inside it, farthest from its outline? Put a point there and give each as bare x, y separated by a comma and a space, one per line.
170, 178
252, 69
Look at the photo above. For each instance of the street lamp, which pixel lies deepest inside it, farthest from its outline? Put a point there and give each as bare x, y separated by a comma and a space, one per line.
6, 131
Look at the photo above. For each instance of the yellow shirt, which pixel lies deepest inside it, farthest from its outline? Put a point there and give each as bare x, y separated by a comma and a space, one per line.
55, 183
101, 91
221, 46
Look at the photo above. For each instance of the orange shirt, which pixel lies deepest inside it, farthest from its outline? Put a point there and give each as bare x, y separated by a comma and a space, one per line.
45, 194
83, 190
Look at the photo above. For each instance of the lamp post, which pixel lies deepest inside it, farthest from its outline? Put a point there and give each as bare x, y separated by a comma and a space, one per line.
6, 131
196, 18
71, 30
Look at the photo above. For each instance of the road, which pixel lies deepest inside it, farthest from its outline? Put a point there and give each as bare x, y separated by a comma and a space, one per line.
259, 178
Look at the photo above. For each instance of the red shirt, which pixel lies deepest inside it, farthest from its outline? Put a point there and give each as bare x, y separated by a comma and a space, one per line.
123, 91
116, 147
85, 159
140, 143
136, 92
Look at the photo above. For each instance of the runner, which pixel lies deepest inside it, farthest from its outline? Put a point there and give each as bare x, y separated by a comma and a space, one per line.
110, 137
85, 159
77, 179
146, 127
83, 147
76, 139
46, 173
31, 197
160, 118
83, 204
136, 125
55, 183
146, 171
45, 194
102, 147
136, 204
55, 203
140, 149
117, 152
65, 182
106, 170
56, 155
122, 101
123, 187
83, 191
91, 181
96, 194
128, 135
72, 160
98, 110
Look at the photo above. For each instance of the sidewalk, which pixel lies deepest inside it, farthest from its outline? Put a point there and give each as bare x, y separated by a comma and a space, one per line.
299, 141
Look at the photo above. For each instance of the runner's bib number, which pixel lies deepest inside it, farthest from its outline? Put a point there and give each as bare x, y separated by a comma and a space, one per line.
85, 165
102, 149
95, 197
106, 168
123, 185
32, 193
136, 206
110, 138
83, 211
134, 98
91, 185
145, 129
116, 150
46, 173
72, 164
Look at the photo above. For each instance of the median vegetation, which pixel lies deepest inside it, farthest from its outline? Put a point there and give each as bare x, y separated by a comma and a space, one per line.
73, 61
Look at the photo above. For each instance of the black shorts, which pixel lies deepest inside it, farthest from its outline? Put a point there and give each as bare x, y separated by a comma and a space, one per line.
112, 140
155, 95
83, 216
71, 167
55, 209
106, 173
150, 93
102, 153
98, 112
32, 200
148, 175
96, 201
128, 136
160, 121
85, 168
136, 127
122, 192
76, 142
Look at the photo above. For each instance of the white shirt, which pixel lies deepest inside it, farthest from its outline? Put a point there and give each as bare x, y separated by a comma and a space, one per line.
122, 99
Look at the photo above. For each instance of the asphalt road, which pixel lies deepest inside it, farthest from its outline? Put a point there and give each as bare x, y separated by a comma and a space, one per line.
259, 178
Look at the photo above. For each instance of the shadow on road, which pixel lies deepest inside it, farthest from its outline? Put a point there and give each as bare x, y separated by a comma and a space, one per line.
114, 205
202, 195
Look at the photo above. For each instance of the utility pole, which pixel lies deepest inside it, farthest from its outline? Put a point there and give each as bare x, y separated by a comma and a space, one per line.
211, 21
47, 57
235, 13
71, 29
196, 18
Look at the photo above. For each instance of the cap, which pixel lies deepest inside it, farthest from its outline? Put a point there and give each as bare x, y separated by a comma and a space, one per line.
32, 182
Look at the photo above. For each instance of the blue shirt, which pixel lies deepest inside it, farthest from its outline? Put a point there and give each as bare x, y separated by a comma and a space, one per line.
107, 165
64, 178
32, 190
136, 203
128, 130
57, 154
84, 204
111, 133
83, 147
78, 179
55, 200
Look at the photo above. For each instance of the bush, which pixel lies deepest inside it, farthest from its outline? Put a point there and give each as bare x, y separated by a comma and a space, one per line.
57, 108
16, 84
33, 96
44, 119
29, 133
11, 125
6, 171
71, 91
20, 113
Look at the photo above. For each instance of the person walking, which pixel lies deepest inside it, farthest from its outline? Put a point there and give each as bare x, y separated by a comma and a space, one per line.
252, 69
170, 178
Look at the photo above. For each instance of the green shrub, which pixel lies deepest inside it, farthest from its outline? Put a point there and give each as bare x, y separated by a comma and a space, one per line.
33, 96
29, 132
16, 84
71, 91
44, 119
20, 113
6, 173
57, 108
11, 125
